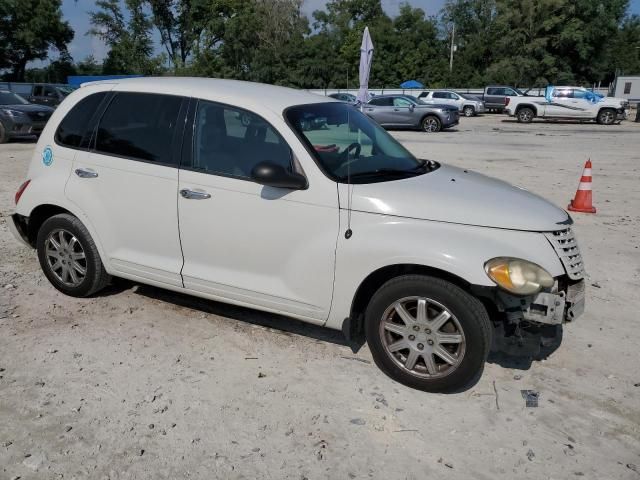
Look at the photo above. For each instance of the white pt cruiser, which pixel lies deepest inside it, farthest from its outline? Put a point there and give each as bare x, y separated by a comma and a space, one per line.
214, 188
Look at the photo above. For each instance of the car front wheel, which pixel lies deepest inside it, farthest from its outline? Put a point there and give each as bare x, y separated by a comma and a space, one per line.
431, 124
607, 116
427, 333
69, 257
469, 111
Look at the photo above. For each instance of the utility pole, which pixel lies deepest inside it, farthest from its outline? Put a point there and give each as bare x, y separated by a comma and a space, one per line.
453, 47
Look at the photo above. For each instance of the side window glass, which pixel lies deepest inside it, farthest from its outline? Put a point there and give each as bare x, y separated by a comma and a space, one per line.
72, 128
230, 141
37, 91
50, 92
439, 95
510, 93
401, 102
562, 93
453, 96
139, 126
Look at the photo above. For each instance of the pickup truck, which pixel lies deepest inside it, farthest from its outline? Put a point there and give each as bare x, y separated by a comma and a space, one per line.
572, 103
494, 97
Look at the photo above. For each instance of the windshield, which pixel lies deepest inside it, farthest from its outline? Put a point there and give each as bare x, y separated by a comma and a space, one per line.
66, 90
8, 98
348, 143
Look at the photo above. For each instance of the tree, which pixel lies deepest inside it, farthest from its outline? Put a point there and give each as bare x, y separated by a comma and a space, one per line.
28, 30
129, 40
181, 22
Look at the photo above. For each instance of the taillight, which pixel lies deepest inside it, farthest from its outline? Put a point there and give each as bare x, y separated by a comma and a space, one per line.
21, 190
506, 101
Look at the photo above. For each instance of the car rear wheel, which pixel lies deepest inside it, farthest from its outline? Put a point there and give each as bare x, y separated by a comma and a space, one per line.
606, 116
431, 124
525, 115
469, 111
3, 134
427, 333
69, 257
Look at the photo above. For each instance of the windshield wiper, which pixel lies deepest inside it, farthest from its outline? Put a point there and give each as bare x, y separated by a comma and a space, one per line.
418, 169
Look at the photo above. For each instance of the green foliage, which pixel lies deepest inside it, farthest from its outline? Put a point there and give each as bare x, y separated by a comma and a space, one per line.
28, 29
129, 40
518, 42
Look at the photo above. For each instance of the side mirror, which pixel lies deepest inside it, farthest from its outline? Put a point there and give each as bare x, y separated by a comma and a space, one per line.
274, 175
412, 107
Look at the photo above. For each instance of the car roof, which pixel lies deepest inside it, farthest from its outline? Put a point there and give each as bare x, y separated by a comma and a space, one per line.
251, 95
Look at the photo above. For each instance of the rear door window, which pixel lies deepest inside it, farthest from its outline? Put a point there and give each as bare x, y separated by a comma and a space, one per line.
382, 102
229, 141
440, 95
139, 126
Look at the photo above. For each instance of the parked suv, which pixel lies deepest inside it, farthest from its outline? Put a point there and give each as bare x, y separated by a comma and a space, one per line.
214, 188
49, 94
468, 105
406, 111
19, 118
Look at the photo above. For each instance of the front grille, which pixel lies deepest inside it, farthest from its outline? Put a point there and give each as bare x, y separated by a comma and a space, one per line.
566, 246
39, 116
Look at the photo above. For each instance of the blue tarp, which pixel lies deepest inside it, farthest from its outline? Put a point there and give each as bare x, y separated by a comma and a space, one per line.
76, 80
411, 84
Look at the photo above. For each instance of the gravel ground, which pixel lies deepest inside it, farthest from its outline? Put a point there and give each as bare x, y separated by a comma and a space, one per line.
141, 383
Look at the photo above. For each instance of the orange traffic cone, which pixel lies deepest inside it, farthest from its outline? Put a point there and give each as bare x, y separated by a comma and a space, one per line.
582, 200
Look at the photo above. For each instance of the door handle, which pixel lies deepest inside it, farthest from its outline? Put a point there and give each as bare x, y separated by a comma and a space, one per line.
86, 173
194, 195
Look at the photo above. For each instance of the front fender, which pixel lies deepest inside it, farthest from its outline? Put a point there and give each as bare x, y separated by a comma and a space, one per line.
380, 241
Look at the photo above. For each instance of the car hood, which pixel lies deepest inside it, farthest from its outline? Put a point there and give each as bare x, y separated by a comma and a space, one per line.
31, 107
453, 195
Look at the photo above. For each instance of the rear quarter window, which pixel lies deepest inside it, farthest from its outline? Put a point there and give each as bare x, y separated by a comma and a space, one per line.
74, 124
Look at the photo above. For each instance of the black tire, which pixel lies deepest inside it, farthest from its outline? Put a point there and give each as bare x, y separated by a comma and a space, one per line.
471, 317
607, 116
431, 124
95, 277
3, 134
469, 111
525, 115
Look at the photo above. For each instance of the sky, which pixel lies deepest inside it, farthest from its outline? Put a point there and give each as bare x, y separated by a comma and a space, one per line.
76, 13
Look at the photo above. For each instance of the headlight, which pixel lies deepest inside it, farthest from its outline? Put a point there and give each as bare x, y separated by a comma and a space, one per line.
518, 276
12, 113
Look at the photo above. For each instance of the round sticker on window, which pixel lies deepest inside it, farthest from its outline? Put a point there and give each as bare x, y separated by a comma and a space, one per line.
47, 156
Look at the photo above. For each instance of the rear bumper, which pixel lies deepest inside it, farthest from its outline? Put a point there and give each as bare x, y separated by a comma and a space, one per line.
18, 227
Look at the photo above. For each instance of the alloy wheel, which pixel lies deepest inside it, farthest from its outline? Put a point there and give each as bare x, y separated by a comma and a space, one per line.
422, 337
431, 125
65, 257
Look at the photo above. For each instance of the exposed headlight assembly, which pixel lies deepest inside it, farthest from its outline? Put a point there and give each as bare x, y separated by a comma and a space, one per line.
518, 276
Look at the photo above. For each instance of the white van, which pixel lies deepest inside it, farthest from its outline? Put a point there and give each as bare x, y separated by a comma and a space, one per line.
215, 188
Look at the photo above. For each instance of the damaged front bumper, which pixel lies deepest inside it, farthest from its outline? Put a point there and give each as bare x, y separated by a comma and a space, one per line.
561, 304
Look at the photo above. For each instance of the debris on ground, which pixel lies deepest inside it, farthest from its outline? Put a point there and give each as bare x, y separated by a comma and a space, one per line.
531, 398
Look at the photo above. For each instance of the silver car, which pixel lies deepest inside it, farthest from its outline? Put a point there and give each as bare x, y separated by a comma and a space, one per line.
468, 105
406, 111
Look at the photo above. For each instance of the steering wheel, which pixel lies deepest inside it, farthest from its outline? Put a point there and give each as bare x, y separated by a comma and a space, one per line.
356, 147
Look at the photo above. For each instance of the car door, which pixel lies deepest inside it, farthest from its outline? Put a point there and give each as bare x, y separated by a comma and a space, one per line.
381, 110
403, 112
441, 98
561, 104
126, 184
244, 243
37, 95
456, 100
584, 108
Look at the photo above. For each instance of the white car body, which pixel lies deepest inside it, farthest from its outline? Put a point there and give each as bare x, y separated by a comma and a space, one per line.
285, 251
449, 97
568, 103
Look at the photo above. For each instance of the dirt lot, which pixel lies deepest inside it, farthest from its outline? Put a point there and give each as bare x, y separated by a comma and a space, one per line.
140, 383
